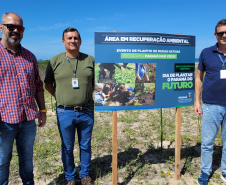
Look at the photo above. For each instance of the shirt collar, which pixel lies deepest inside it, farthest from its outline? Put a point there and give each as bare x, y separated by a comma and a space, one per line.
215, 50
19, 47
98, 92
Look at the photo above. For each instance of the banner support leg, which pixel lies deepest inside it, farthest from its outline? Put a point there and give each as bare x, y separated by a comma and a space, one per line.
114, 148
177, 143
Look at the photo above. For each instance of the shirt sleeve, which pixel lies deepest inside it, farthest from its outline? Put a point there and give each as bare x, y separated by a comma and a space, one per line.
144, 69
201, 64
119, 66
124, 65
137, 68
38, 81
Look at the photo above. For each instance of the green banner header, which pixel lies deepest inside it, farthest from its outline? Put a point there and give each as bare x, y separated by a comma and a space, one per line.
147, 56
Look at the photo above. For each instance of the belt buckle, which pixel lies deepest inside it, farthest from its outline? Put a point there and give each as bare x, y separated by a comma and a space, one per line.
77, 108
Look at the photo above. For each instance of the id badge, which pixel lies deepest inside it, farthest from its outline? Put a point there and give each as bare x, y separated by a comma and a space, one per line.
75, 83
223, 74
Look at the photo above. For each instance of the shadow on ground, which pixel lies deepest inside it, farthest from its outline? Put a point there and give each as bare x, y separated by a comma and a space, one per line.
101, 166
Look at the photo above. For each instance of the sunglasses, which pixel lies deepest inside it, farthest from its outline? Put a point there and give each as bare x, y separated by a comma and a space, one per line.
220, 34
12, 27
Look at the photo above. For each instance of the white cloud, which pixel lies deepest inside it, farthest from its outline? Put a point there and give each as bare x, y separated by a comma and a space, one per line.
90, 19
50, 27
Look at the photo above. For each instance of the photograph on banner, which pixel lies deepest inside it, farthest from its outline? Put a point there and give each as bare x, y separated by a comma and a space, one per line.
144, 93
145, 83
115, 72
125, 84
115, 83
143, 70
114, 94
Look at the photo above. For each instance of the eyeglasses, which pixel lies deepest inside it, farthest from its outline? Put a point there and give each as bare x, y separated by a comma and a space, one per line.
12, 27
220, 34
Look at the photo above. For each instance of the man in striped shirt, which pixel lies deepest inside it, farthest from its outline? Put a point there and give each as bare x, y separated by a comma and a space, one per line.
20, 89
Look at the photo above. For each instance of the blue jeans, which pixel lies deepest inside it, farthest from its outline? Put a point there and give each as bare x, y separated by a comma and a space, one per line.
68, 121
213, 118
24, 133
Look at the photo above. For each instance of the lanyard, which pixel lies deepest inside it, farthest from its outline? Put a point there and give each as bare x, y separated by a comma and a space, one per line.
74, 71
223, 61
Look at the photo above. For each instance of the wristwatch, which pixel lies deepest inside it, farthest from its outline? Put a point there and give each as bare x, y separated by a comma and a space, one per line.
43, 110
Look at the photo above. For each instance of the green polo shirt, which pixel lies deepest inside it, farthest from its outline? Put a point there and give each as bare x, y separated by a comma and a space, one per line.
60, 72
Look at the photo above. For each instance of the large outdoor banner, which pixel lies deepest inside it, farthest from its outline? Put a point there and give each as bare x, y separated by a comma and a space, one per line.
143, 70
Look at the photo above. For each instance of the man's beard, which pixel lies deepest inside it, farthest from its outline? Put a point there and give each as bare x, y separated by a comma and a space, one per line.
9, 40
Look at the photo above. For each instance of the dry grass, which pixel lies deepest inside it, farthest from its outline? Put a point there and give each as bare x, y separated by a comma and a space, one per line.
141, 161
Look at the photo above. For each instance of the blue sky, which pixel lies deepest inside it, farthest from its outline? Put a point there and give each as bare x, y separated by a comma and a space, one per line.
45, 20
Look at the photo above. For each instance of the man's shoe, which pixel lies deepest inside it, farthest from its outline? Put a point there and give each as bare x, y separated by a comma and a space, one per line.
203, 179
86, 181
71, 182
223, 177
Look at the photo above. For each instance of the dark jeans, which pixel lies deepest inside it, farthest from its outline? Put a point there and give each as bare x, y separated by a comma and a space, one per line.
24, 133
68, 122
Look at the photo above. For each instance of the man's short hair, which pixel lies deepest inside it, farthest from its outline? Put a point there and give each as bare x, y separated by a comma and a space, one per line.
220, 23
70, 29
5, 15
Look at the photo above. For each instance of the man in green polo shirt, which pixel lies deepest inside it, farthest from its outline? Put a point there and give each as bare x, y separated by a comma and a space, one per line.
69, 78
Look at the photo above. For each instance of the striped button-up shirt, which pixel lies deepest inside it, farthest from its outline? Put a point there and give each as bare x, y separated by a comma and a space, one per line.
19, 82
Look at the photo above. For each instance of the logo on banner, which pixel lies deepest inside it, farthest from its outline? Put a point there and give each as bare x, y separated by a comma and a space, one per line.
185, 99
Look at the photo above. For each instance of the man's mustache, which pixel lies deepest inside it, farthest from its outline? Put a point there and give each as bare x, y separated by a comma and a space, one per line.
14, 34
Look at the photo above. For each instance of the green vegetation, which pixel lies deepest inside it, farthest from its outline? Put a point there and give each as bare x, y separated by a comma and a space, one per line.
127, 76
144, 88
42, 67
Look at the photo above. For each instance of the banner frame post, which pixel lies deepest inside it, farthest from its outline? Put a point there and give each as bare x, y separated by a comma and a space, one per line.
161, 130
177, 142
114, 148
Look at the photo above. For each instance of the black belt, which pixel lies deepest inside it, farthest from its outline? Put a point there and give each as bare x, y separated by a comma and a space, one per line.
75, 108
